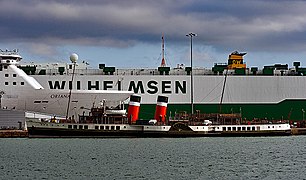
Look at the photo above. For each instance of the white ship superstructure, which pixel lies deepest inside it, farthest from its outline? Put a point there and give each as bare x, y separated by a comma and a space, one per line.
20, 91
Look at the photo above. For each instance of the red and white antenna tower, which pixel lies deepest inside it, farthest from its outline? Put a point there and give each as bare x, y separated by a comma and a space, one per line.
163, 62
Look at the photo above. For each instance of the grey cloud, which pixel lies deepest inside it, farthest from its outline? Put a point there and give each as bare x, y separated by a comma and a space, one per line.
256, 25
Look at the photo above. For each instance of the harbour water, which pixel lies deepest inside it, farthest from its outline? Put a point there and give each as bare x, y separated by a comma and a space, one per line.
149, 158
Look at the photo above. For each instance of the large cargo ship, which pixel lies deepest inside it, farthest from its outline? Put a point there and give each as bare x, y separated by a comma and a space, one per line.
275, 92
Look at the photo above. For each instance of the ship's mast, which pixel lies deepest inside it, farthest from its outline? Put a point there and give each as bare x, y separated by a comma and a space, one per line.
73, 58
191, 35
223, 89
163, 62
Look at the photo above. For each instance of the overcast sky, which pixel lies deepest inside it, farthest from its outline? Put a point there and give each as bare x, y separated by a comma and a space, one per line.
127, 33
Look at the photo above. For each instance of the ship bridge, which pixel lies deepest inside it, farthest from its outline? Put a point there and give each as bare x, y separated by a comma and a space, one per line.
8, 57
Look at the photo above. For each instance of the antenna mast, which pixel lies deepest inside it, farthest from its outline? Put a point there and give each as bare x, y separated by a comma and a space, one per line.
73, 58
163, 62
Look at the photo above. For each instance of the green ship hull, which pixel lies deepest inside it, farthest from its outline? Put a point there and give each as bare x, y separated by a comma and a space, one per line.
285, 110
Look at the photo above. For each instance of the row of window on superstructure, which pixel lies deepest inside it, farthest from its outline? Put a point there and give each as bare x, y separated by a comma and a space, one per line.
14, 83
108, 127
243, 128
77, 126
7, 75
96, 127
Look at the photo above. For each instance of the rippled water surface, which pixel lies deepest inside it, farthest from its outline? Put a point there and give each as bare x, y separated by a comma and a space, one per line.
159, 158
